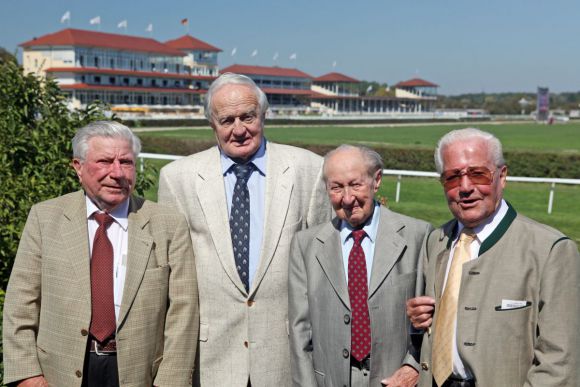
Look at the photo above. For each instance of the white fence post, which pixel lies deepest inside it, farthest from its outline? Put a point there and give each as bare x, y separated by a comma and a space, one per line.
551, 199
398, 194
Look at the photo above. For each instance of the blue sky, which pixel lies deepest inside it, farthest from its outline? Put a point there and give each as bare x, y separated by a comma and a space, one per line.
462, 45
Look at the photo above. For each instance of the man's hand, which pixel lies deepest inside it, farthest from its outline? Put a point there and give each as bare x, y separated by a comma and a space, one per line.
406, 376
35, 381
420, 311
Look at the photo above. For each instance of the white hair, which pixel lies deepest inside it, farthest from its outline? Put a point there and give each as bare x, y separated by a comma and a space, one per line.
373, 160
493, 145
110, 129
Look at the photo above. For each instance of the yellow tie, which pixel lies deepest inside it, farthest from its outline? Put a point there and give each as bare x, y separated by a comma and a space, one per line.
447, 313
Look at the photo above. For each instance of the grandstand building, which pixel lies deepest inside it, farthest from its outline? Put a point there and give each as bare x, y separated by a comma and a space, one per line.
136, 73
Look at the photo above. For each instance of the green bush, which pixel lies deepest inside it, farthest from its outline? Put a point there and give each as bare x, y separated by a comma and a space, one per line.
520, 163
36, 128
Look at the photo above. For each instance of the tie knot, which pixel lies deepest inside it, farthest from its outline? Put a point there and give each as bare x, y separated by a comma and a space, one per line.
358, 236
243, 171
103, 219
467, 236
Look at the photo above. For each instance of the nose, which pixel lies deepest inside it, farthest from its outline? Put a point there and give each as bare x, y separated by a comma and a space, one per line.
116, 171
465, 184
347, 196
239, 128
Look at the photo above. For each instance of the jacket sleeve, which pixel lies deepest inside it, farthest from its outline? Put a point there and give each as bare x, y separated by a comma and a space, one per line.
557, 347
182, 316
22, 306
302, 367
319, 209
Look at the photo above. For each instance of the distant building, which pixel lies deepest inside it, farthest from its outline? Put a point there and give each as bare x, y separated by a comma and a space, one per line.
141, 76
138, 73
288, 90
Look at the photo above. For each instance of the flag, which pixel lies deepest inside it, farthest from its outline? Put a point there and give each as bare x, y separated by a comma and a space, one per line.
234, 50
65, 17
149, 28
275, 56
293, 56
96, 20
185, 21
254, 53
122, 24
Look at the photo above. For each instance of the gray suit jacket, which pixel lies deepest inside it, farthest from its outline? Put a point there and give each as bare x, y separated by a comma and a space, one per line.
245, 334
319, 306
535, 345
47, 312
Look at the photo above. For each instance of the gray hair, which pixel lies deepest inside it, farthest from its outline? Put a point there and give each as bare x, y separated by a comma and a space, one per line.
373, 160
493, 145
110, 129
234, 79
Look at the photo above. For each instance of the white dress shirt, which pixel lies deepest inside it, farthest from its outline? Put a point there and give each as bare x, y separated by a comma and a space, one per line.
482, 232
368, 243
118, 235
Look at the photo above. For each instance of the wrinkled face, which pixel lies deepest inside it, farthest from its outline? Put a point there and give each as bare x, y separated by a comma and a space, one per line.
108, 172
469, 202
237, 121
350, 189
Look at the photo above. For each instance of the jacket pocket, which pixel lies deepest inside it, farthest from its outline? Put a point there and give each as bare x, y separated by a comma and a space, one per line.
319, 378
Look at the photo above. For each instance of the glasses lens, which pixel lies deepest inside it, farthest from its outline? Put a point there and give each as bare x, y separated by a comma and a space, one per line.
477, 175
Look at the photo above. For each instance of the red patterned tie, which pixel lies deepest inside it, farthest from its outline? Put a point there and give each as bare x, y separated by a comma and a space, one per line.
358, 293
103, 322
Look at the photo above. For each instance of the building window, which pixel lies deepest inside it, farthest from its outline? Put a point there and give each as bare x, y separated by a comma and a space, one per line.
177, 68
139, 81
112, 80
152, 66
83, 79
97, 79
154, 82
126, 81
81, 60
165, 83
112, 61
96, 61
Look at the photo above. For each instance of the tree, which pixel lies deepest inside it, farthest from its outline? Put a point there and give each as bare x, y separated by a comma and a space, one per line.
36, 128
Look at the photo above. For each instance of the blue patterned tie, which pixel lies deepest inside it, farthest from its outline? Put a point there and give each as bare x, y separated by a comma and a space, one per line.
240, 221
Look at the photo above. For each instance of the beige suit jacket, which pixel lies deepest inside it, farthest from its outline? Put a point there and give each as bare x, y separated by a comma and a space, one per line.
47, 312
245, 335
319, 306
522, 260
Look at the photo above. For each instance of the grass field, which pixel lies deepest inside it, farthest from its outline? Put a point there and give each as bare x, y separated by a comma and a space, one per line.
522, 136
423, 197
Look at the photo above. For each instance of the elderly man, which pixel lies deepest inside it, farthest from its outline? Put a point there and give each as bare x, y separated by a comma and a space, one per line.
103, 290
349, 280
244, 200
504, 287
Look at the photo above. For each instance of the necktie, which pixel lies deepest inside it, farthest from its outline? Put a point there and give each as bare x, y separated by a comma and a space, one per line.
240, 221
360, 344
447, 314
103, 322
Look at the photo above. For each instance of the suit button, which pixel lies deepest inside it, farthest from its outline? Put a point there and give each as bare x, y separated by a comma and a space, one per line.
84, 332
346, 319
345, 353
246, 344
250, 303
78, 373
424, 366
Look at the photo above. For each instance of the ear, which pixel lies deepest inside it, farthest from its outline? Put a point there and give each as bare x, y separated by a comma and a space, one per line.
503, 175
377, 179
78, 166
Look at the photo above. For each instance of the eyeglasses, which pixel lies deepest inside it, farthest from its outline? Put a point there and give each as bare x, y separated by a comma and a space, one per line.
477, 175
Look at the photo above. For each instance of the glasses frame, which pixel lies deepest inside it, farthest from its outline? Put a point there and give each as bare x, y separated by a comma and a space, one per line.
452, 178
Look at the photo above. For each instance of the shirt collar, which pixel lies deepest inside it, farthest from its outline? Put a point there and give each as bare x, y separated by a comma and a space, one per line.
258, 159
119, 214
485, 229
371, 226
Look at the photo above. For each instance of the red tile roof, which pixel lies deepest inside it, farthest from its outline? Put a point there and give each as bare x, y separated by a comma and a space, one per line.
188, 42
84, 38
315, 95
416, 82
335, 77
84, 86
273, 90
95, 70
265, 70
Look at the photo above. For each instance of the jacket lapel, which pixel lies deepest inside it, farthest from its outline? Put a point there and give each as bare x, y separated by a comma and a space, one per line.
329, 255
75, 236
279, 184
212, 199
388, 248
442, 257
140, 243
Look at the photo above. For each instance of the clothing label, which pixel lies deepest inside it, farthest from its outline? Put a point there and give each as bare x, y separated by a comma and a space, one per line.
512, 304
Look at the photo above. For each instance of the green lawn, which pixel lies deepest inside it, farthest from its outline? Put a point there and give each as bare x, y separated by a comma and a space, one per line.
521, 136
423, 198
